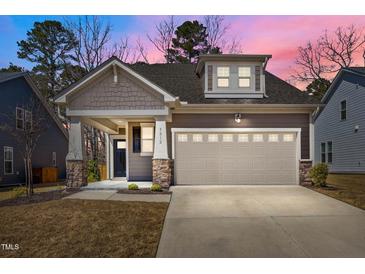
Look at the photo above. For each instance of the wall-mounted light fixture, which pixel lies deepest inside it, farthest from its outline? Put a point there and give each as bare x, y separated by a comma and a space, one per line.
237, 118
356, 129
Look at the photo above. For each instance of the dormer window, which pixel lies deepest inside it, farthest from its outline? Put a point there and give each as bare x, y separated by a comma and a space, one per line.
223, 77
244, 77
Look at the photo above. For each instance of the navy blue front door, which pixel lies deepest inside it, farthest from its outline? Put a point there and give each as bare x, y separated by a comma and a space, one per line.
119, 158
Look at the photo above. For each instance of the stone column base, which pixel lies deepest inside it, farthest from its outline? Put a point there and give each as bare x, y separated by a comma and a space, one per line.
76, 173
162, 172
304, 167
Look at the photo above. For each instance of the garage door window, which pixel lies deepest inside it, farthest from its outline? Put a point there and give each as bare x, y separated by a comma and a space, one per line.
288, 138
227, 138
258, 138
213, 138
197, 138
243, 138
273, 137
182, 138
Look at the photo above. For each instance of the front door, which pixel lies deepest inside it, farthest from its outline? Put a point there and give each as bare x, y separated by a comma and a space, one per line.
120, 158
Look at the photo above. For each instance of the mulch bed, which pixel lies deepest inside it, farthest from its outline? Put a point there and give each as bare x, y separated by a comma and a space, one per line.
39, 197
143, 191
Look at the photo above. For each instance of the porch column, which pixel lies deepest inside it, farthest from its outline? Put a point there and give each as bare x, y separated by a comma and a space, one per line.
161, 164
75, 166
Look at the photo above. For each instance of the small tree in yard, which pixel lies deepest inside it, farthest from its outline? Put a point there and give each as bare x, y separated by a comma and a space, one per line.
26, 125
318, 174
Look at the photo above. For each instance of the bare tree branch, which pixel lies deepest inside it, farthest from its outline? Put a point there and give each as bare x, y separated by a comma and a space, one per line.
164, 34
216, 30
141, 51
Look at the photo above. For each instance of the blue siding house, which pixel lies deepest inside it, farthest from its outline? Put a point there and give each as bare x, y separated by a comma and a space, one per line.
16, 90
340, 124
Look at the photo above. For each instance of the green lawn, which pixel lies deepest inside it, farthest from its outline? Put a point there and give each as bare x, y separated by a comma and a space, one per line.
82, 228
348, 188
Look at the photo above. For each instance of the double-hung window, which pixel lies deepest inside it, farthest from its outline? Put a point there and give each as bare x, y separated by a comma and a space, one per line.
28, 119
343, 110
329, 152
147, 138
244, 77
222, 77
19, 118
323, 152
8, 161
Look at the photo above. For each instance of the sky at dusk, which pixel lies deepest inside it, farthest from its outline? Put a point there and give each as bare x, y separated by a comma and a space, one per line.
276, 35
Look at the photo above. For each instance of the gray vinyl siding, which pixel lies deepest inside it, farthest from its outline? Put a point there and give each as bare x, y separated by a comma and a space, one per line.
14, 93
348, 147
140, 167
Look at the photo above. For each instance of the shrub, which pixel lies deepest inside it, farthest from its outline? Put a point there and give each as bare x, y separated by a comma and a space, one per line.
156, 187
133, 187
93, 173
19, 191
318, 174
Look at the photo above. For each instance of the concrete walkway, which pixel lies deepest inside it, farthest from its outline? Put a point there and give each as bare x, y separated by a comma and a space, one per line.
112, 195
260, 221
115, 184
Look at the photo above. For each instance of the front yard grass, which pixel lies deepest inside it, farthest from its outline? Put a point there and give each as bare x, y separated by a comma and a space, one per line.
82, 228
347, 188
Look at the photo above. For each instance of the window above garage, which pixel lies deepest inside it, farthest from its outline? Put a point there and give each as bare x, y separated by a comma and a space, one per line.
233, 76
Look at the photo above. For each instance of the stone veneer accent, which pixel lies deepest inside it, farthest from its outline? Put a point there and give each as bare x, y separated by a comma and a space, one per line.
76, 173
162, 172
304, 167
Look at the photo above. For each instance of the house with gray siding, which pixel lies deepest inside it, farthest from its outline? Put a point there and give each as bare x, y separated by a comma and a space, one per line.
17, 90
340, 123
223, 121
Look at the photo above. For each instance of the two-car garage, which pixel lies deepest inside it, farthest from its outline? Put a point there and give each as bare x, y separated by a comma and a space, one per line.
236, 156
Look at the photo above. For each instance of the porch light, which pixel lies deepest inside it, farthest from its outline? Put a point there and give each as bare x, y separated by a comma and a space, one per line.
237, 117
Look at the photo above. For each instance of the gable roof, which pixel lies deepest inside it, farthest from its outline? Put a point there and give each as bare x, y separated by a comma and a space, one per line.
354, 70
6, 76
182, 81
61, 97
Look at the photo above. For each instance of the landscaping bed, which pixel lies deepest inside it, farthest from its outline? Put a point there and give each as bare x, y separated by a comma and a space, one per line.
37, 197
82, 228
143, 191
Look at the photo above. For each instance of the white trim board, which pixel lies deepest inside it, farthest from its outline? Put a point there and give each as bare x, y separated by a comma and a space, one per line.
117, 113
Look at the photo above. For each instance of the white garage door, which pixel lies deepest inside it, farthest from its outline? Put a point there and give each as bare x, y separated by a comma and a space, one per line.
218, 158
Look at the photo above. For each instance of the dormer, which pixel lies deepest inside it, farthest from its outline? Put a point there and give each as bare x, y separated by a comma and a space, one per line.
232, 75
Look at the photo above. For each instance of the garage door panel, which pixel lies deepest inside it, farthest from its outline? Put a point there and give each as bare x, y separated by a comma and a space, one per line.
227, 158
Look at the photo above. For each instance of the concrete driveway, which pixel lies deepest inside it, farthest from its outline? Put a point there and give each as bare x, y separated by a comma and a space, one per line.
260, 221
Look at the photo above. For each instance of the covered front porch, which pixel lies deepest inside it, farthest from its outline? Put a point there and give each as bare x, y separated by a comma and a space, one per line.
136, 151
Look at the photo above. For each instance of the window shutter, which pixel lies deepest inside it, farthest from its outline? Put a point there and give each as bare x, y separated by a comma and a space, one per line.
136, 139
210, 78
257, 78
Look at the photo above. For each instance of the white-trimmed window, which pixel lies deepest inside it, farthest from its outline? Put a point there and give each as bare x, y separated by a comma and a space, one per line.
147, 138
182, 138
288, 137
329, 152
223, 77
243, 138
28, 119
197, 138
273, 138
323, 152
227, 138
212, 138
54, 158
19, 118
244, 77
8, 161
343, 110
258, 138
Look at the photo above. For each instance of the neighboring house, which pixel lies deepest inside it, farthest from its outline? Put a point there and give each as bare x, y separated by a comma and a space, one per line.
16, 90
224, 120
340, 124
